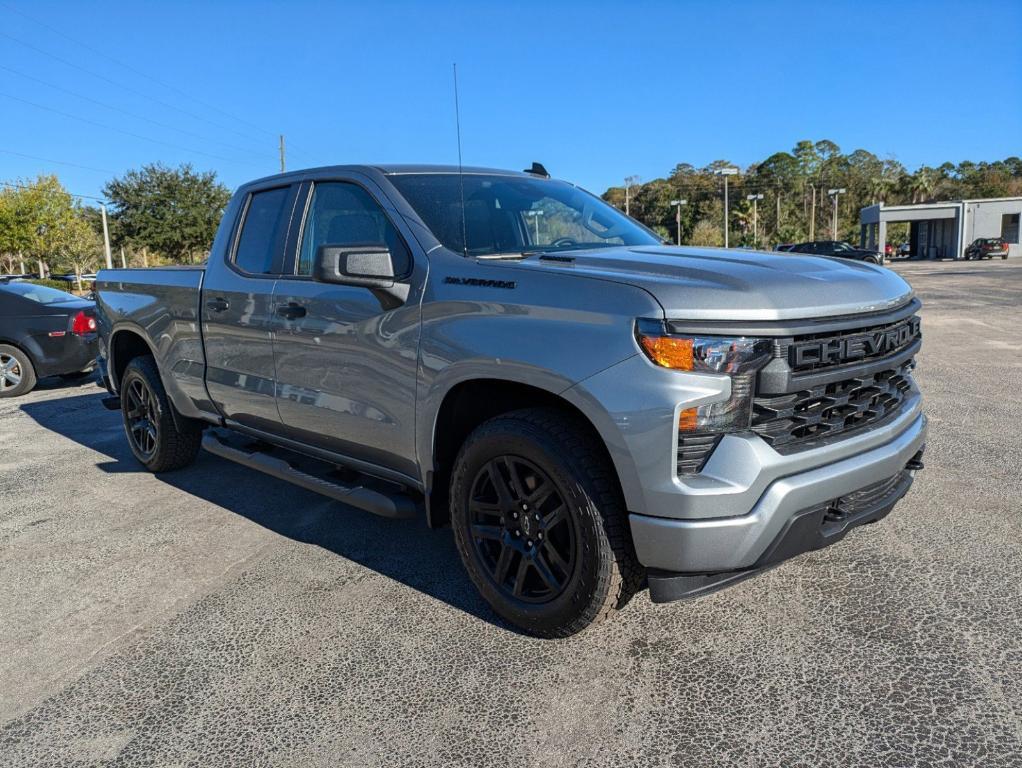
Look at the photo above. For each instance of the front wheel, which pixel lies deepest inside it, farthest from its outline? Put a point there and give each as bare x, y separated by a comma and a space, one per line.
540, 523
149, 424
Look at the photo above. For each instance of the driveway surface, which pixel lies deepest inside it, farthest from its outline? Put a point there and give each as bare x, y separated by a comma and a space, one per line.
215, 616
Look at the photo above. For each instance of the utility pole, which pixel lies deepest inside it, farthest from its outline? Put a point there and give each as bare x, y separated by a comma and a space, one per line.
106, 237
812, 214
629, 181
677, 215
283, 165
725, 172
755, 218
835, 193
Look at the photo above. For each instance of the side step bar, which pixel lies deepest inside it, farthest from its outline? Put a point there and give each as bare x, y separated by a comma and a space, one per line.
368, 499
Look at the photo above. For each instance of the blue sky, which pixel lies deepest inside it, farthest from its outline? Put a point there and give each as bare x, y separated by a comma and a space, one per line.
596, 91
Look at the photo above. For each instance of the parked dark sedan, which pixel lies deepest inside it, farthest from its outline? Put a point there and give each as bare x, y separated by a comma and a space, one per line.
836, 248
43, 332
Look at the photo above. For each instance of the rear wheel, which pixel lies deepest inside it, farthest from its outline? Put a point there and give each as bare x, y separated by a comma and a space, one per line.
540, 524
149, 424
17, 376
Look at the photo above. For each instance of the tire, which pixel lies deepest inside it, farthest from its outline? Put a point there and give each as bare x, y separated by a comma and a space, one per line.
17, 375
567, 561
1005, 256
153, 434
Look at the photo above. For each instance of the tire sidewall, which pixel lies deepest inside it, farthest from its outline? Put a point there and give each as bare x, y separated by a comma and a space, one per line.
590, 578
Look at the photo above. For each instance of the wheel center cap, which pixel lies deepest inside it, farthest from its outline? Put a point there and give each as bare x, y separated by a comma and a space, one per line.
526, 525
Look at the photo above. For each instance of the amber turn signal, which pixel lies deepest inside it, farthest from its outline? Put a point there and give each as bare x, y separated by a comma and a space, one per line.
668, 351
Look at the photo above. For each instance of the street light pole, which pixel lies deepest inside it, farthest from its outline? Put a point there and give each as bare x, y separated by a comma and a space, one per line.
834, 193
725, 172
755, 218
677, 215
106, 237
535, 217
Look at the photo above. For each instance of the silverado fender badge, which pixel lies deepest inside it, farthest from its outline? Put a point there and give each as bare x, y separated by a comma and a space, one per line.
452, 280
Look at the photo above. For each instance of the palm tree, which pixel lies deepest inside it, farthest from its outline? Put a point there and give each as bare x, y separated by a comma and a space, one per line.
922, 184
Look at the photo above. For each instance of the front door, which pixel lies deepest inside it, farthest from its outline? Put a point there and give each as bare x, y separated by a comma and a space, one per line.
345, 356
237, 310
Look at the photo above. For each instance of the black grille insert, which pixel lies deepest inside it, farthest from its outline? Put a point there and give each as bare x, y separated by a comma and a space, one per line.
800, 420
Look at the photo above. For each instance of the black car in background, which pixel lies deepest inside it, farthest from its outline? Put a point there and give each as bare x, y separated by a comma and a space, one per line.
986, 248
43, 332
834, 248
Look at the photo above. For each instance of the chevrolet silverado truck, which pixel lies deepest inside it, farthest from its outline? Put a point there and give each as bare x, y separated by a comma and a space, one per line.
592, 411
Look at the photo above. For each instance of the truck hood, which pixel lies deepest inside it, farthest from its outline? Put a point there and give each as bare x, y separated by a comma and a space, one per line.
718, 284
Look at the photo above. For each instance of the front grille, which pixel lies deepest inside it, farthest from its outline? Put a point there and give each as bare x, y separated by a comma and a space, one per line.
802, 419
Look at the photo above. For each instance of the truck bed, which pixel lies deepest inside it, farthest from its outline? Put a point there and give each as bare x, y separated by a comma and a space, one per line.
163, 304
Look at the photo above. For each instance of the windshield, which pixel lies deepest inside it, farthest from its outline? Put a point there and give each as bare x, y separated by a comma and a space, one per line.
843, 247
41, 294
514, 214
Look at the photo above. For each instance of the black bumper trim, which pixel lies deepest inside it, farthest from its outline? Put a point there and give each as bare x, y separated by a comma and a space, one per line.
811, 529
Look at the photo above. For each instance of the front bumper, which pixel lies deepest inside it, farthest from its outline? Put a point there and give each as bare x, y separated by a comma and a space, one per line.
738, 543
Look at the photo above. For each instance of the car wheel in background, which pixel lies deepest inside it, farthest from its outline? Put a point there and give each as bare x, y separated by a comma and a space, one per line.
149, 423
540, 523
17, 376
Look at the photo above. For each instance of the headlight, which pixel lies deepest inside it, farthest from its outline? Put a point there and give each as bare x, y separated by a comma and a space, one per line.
738, 357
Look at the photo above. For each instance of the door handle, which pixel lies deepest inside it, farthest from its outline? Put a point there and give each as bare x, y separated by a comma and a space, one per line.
291, 311
218, 304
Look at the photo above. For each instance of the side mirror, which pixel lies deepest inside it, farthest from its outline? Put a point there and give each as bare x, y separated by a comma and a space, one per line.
370, 266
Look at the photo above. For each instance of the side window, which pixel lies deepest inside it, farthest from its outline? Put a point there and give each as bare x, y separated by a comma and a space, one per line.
345, 214
264, 225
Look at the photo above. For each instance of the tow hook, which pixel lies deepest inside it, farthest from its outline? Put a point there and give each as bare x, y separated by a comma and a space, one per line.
916, 462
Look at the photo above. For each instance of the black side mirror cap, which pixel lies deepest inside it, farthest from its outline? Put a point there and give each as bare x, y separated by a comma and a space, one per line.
369, 265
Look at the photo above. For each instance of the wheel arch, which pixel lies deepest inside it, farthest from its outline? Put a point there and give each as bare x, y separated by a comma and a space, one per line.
126, 343
468, 404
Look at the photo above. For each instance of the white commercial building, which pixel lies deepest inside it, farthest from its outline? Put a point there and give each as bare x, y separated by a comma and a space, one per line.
945, 230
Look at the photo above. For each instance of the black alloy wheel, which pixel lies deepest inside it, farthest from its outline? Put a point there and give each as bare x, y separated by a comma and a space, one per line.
521, 530
141, 416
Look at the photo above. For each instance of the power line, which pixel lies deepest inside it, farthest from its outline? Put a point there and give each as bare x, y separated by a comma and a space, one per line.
138, 72
126, 133
127, 88
57, 162
72, 194
126, 112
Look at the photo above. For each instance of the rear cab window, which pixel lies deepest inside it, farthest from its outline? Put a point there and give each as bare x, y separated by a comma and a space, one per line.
260, 244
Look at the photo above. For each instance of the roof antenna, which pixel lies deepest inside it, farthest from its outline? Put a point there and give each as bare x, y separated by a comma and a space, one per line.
461, 173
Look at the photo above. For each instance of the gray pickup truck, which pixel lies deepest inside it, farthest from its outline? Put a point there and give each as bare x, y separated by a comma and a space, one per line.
591, 410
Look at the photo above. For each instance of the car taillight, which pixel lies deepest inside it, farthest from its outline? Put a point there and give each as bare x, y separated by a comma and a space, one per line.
83, 324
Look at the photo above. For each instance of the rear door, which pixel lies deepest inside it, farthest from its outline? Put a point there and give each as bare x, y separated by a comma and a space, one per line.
345, 355
237, 309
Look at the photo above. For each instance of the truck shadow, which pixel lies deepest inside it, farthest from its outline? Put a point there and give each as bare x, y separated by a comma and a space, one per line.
404, 550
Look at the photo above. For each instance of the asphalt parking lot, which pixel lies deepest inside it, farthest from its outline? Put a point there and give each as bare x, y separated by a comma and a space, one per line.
215, 616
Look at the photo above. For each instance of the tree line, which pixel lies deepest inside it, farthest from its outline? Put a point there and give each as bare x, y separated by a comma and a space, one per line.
163, 215
795, 206
156, 215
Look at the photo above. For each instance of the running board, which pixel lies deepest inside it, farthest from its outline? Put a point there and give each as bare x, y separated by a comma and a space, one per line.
378, 502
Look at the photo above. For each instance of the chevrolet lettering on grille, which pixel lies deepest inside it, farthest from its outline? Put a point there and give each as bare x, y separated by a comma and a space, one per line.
843, 349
